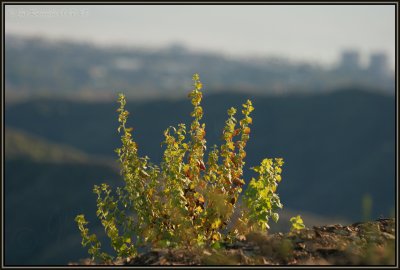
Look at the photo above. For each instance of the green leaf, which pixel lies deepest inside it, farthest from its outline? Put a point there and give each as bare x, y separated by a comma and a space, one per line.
275, 217
216, 245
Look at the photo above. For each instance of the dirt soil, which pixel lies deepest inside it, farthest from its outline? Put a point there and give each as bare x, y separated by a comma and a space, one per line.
368, 243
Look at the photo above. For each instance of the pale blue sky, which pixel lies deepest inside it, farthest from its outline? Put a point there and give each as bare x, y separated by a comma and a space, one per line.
301, 32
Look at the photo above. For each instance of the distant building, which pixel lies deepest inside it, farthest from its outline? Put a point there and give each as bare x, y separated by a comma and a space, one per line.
350, 60
378, 64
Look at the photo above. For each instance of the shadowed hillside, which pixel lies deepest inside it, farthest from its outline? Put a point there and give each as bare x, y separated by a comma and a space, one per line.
337, 147
46, 185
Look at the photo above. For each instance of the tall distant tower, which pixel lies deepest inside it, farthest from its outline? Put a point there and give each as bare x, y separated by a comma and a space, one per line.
350, 60
378, 64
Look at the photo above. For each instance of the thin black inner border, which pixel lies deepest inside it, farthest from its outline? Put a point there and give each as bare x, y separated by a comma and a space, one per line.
197, 3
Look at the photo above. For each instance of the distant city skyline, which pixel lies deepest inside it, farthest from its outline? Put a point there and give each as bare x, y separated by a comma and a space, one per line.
316, 33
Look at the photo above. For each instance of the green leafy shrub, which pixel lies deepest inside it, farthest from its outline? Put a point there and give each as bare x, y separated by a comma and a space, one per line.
297, 223
185, 201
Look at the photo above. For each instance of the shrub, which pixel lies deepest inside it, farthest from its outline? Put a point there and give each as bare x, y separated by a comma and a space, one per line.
297, 223
185, 201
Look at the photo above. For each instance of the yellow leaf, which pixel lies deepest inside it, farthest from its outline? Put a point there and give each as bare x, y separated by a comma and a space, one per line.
199, 85
216, 224
216, 237
196, 77
201, 199
186, 168
231, 146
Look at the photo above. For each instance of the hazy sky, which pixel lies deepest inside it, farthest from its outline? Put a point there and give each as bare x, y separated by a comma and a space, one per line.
301, 32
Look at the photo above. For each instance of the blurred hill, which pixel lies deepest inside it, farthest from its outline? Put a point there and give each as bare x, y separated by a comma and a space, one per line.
46, 186
37, 66
337, 147
22, 145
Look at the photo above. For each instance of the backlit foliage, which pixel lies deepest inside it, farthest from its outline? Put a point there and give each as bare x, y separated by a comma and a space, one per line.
189, 199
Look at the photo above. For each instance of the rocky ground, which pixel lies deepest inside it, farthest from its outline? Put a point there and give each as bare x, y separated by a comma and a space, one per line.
368, 243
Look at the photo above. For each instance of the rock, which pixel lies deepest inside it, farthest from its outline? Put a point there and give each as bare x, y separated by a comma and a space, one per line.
301, 245
206, 252
343, 232
332, 244
388, 236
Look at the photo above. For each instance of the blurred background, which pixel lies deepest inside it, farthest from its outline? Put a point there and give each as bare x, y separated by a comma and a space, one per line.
321, 78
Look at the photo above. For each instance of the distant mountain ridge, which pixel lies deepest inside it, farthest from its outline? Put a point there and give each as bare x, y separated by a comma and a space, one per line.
21, 145
18, 144
93, 72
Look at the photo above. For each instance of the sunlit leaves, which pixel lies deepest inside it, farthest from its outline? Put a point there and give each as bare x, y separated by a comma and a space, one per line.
91, 241
216, 224
264, 188
185, 200
297, 223
246, 130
